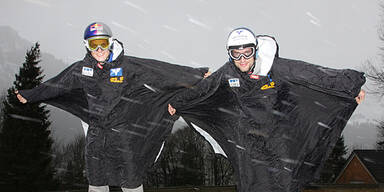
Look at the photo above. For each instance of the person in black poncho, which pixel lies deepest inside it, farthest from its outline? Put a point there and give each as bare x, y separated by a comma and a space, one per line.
275, 119
122, 98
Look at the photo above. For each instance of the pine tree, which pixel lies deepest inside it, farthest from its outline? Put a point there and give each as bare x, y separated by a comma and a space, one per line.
2, 98
25, 142
335, 162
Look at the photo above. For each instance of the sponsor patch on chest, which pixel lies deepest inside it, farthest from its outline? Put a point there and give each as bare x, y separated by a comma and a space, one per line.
234, 82
116, 75
268, 86
87, 71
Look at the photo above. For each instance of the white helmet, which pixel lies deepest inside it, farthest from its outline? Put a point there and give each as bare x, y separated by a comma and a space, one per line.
240, 38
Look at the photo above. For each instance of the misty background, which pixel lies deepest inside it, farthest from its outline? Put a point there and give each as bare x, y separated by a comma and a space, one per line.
336, 34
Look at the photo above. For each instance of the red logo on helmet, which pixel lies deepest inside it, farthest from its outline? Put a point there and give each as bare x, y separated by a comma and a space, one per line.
96, 27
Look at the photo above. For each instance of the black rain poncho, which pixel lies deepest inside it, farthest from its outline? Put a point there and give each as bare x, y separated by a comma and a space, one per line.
125, 106
276, 125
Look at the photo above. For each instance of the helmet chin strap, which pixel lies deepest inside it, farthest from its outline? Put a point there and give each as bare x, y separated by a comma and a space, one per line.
107, 60
252, 68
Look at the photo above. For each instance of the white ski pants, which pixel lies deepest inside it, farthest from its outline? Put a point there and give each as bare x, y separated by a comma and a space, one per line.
106, 189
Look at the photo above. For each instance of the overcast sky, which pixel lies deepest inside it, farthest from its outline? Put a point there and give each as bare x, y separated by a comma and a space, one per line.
341, 33
332, 33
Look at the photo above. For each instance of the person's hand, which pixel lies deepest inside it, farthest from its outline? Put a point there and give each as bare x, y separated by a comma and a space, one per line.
21, 98
171, 110
207, 74
360, 97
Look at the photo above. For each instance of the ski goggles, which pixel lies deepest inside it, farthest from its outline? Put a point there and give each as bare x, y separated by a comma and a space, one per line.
98, 42
247, 53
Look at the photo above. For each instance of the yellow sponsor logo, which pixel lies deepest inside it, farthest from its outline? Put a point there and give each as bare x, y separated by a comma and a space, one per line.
117, 79
268, 86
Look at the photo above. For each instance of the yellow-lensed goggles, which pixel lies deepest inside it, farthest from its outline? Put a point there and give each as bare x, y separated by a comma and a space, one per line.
102, 42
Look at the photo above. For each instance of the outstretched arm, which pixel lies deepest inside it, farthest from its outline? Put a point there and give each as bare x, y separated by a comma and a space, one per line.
345, 83
197, 93
172, 110
58, 85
